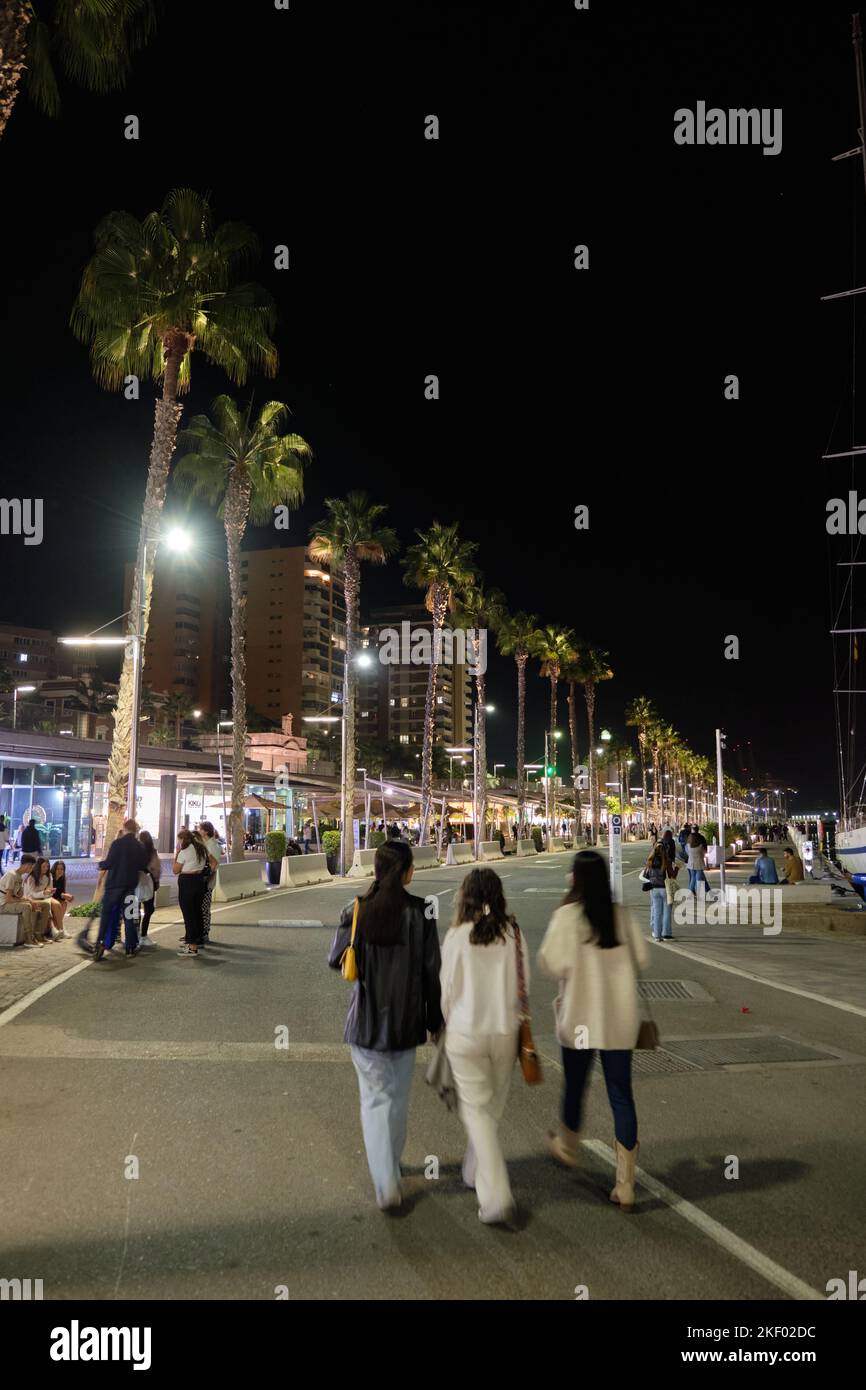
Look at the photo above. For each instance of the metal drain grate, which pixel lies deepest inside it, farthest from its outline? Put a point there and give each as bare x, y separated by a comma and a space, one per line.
689, 990
660, 1063
729, 1052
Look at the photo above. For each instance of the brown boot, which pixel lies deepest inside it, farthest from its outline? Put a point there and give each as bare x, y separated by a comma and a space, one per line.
623, 1191
563, 1144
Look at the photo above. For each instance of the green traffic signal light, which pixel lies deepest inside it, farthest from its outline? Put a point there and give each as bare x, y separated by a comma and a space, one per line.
550, 771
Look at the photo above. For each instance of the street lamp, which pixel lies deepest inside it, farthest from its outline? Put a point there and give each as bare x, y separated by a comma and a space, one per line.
22, 690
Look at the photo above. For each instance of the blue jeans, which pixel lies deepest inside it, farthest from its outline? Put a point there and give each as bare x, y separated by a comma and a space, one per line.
113, 911
660, 913
385, 1081
697, 876
616, 1066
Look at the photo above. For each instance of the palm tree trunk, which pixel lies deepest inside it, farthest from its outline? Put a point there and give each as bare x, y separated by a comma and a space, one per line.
589, 696
549, 759
352, 590
167, 418
15, 16
641, 743
439, 608
235, 515
575, 760
521, 659
480, 749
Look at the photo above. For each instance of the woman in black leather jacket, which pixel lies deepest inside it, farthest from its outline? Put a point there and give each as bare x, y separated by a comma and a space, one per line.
394, 1005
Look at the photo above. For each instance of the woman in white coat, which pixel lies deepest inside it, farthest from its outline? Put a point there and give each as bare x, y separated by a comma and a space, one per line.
595, 950
480, 1003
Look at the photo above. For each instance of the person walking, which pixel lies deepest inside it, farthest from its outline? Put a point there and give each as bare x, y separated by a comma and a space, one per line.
483, 956
395, 1003
697, 858
595, 950
683, 838
154, 868
215, 850
659, 870
118, 878
192, 866
31, 842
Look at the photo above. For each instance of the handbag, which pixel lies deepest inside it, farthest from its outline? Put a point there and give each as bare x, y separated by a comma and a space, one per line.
348, 960
530, 1063
647, 1034
144, 889
440, 1076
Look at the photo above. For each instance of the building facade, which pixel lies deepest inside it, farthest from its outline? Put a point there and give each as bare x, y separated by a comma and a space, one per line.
392, 695
188, 646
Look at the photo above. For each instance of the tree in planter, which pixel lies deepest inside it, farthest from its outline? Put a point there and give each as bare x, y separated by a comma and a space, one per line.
442, 564
247, 468
349, 535
153, 292
276, 844
93, 40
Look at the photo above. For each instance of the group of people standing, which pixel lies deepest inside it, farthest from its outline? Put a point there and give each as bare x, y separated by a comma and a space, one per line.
660, 873
476, 990
129, 879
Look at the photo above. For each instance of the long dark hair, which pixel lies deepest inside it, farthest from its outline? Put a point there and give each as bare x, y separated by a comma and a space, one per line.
380, 916
591, 888
189, 837
147, 840
481, 901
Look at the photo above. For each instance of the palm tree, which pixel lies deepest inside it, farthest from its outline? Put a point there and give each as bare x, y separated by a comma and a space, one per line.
641, 715
350, 534
247, 467
666, 743
177, 707
554, 649
569, 674
93, 41
152, 293
442, 564
518, 637
480, 612
591, 666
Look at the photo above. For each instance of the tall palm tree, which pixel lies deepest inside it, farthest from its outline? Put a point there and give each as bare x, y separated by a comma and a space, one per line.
92, 40
152, 293
554, 649
442, 564
569, 675
592, 666
246, 467
518, 637
349, 535
480, 612
640, 715
666, 738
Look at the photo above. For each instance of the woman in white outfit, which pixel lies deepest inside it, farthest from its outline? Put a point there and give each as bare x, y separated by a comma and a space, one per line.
480, 1003
596, 951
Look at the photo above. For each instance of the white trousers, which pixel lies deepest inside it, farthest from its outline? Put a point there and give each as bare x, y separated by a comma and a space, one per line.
482, 1067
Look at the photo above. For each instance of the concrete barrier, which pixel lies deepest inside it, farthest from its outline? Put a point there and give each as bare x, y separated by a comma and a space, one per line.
362, 864
242, 880
525, 847
300, 869
425, 857
490, 849
559, 843
460, 854
162, 897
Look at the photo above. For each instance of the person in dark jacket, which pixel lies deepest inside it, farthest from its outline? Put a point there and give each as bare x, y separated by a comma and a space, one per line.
659, 868
119, 870
395, 1003
30, 841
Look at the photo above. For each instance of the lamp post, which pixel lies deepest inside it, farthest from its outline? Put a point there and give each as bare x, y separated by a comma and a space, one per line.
22, 690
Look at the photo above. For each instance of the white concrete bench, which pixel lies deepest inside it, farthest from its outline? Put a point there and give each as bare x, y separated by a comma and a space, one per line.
300, 869
525, 847
362, 864
241, 880
491, 849
460, 854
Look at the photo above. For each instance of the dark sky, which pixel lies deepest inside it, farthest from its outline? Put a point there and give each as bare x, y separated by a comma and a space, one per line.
605, 387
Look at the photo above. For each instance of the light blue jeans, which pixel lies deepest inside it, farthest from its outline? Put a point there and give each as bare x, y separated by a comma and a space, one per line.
660, 913
385, 1081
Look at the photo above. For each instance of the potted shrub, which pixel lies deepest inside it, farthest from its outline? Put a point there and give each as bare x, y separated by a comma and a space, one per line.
331, 847
538, 838
275, 848
377, 838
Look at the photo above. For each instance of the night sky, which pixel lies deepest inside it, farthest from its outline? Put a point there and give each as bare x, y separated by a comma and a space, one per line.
558, 387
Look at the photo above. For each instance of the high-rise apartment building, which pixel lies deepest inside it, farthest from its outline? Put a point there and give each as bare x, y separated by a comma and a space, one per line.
187, 648
392, 695
295, 633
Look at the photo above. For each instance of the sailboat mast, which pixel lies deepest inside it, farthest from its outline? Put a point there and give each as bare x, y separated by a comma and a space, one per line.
857, 40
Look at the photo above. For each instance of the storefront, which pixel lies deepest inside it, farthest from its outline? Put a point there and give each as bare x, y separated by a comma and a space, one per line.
58, 797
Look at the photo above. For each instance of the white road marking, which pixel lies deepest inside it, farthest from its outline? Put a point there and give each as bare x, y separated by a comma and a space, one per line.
740, 1249
285, 922
18, 1008
771, 984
